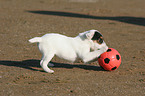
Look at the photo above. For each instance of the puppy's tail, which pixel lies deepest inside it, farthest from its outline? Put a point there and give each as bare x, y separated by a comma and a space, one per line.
35, 40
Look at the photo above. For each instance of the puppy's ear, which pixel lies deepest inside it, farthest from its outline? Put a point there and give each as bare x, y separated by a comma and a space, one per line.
90, 35
97, 36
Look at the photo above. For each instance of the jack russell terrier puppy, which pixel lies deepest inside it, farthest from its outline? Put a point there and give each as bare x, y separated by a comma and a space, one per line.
87, 46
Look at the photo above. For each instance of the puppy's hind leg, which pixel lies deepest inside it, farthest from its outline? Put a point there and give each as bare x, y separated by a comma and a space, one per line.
45, 61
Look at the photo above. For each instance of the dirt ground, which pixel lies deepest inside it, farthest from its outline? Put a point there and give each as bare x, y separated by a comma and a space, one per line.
122, 22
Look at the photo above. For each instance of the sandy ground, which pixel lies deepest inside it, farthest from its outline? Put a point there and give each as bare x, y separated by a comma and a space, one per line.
122, 22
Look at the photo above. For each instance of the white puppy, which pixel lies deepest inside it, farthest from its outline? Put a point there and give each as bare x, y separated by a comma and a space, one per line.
87, 46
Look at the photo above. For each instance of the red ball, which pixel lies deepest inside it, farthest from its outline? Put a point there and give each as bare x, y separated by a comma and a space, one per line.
110, 60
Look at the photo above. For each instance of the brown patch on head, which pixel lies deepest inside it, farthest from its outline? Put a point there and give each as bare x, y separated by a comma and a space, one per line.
97, 38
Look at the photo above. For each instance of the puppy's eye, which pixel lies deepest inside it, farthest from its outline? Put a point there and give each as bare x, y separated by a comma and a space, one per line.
100, 40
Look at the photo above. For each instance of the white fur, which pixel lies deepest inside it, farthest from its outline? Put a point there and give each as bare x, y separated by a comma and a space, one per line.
68, 48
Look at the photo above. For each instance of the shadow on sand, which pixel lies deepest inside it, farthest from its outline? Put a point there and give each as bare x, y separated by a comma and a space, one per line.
126, 19
30, 64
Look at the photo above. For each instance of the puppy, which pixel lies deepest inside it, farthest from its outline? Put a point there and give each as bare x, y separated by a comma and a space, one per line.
87, 46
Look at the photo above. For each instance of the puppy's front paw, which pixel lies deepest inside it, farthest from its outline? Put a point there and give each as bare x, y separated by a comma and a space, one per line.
104, 49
